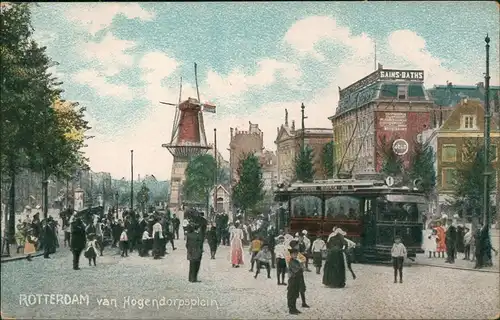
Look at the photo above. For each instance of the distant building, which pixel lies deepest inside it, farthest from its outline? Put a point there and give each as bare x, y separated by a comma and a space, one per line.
466, 121
241, 144
382, 107
288, 143
268, 162
223, 199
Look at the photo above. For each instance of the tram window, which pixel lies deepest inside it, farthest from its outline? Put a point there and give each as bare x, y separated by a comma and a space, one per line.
398, 211
306, 206
343, 207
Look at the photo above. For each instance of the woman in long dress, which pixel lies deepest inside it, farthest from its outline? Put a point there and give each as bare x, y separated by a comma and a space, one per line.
441, 240
236, 246
431, 242
158, 243
334, 270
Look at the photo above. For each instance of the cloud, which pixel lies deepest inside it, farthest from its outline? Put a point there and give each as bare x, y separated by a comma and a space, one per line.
110, 54
412, 48
98, 82
97, 17
44, 37
56, 73
237, 82
306, 34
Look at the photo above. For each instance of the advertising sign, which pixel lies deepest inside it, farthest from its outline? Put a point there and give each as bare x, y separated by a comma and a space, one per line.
400, 147
78, 199
407, 75
393, 121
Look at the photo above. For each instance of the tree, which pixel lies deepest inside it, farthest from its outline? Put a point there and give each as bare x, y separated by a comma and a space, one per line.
422, 168
329, 159
304, 170
199, 179
468, 184
143, 196
392, 164
249, 190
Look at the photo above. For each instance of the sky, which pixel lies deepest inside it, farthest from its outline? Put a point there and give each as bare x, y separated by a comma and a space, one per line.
254, 61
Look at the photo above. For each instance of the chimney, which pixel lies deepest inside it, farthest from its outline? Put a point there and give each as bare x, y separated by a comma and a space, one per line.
380, 66
232, 131
293, 125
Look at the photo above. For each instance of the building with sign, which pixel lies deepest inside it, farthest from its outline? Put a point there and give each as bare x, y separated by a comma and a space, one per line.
447, 139
381, 108
288, 143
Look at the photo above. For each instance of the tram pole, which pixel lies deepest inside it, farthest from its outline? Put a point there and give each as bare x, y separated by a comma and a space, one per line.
131, 180
302, 107
487, 117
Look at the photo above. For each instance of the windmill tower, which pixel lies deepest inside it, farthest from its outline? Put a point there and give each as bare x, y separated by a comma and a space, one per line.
188, 138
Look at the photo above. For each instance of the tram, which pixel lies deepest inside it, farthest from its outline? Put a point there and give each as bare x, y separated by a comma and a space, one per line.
371, 212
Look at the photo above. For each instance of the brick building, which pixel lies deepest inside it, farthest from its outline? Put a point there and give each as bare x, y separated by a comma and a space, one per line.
241, 144
288, 143
447, 140
384, 106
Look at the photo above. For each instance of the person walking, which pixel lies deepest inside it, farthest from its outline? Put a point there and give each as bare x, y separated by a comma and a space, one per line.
194, 253
77, 243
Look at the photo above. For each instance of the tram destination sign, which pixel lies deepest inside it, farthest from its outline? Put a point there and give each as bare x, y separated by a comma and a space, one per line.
406, 75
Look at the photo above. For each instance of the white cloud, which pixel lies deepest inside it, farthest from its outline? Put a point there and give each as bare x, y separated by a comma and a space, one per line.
411, 48
56, 73
237, 82
307, 33
102, 86
110, 54
97, 17
44, 37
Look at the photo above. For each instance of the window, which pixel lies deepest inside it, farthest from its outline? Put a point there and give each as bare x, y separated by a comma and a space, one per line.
402, 92
448, 177
494, 152
468, 122
449, 153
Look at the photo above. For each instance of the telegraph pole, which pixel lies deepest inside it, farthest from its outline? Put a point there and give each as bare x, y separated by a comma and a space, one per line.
216, 170
302, 107
131, 179
487, 117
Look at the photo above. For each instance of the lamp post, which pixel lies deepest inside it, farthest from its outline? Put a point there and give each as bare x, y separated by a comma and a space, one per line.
216, 172
131, 179
302, 107
487, 117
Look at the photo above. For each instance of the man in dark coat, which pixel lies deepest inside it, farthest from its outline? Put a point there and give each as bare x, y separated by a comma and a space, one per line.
49, 238
176, 223
451, 237
77, 241
194, 252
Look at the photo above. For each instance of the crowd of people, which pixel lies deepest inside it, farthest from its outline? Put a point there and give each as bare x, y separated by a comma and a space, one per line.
35, 234
446, 238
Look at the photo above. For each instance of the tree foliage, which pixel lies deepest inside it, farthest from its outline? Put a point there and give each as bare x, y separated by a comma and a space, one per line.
329, 158
199, 178
304, 169
34, 133
422, 167
143, 196
248, 192
392, 164
468, 184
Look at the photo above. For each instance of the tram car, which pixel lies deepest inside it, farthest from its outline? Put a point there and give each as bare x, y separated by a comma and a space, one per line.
371, 212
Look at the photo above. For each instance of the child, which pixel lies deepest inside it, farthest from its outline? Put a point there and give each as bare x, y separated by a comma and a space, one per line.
143, 252
280, 252
317, 249
296, 284
263, 259
432, 243
91, 251
398, 253
349, 255
254, 249
124, 243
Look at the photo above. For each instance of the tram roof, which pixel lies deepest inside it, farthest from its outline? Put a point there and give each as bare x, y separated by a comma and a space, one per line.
344, 187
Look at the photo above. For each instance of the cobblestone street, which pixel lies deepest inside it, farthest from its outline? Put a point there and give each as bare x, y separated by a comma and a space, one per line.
428, 292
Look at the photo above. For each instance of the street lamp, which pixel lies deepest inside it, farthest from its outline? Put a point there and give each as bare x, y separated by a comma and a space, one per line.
487, 117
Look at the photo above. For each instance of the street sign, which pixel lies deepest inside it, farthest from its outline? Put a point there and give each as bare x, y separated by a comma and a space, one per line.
400, 147
389, 181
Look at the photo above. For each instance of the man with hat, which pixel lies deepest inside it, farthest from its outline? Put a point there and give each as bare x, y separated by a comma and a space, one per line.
194, 245
77, 241
296, 283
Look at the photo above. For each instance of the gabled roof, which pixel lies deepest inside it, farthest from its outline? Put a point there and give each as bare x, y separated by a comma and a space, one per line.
452, 123
284, 130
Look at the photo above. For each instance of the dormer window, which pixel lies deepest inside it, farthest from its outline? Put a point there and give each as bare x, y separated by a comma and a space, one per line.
402, 92
468, 122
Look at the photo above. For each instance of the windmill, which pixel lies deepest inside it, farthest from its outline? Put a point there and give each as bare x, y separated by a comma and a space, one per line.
188, 137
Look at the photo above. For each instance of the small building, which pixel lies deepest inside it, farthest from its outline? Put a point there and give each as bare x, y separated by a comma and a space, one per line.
222, 198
